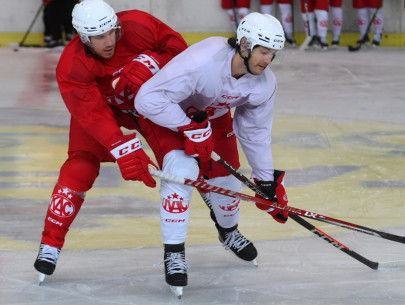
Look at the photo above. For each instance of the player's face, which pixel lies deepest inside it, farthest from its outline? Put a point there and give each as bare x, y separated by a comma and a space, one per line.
260, 58
104, 45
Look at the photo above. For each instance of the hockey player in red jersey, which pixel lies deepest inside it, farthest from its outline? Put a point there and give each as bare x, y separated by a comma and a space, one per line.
364, 9
126, 49
315, 16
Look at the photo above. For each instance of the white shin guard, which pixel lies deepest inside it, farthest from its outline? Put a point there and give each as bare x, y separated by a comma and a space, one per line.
175, 204
226, 209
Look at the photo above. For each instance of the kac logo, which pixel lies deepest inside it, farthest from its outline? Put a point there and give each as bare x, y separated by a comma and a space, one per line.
61, 206
174, 204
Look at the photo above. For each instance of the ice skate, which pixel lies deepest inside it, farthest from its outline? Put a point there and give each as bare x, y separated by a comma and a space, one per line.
314, 43
365, 40
175, 268
376, 40
233, 240
335, 43
46, 260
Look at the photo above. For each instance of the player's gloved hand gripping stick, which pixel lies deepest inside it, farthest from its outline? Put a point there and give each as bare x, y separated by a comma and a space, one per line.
132, 160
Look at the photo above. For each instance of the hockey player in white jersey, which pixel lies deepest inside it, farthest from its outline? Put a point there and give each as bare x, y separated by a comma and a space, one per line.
193, 96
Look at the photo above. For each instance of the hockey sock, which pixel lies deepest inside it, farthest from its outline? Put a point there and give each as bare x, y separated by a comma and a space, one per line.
322, 24
309, 23
62, 210
337, 18
266, 8
242, 11
287, 19
362, 21
378, 22
232, 19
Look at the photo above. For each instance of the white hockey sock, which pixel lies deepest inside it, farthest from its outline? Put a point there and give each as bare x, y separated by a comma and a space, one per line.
232, 19
322, 24
175, 205
378, 21
337, 21
287, 19
362, 21
266, 8
226, 209
242, 11
310, 23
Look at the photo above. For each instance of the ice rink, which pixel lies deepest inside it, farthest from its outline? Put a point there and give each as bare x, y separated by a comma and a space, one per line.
339, 133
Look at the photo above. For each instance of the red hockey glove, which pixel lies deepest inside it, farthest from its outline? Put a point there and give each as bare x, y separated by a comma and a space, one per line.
276, 193
46, 1
135, 74
132, 160
199, 140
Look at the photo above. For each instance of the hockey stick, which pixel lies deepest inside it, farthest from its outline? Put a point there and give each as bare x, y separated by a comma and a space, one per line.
359, 43
296, 218
307, 40
32, 23
210, 188
235, 13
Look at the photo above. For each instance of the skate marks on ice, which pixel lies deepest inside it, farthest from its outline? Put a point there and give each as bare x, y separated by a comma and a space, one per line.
295, 271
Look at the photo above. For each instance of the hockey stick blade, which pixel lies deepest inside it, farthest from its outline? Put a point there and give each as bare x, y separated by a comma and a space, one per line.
354, 49
334, 242
296, 218
210, 188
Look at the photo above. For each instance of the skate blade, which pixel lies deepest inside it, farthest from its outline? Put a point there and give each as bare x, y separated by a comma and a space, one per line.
41, 278
177, 290
254, 262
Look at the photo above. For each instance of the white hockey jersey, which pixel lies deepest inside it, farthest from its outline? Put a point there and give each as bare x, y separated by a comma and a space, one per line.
199, 79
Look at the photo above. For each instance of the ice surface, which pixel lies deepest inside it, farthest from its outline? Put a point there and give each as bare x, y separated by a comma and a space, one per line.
339, 133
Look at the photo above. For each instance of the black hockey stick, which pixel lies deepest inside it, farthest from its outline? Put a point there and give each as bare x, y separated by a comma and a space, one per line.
359, 43
32, 23
317, 232
235, 13
291, 210
296, 218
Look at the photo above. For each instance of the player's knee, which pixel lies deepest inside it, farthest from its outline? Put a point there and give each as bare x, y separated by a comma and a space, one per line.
177, 163
80, 171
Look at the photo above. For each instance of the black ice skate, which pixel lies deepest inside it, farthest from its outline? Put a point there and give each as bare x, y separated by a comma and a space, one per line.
46, 260
175, 268
233, 240
364, 40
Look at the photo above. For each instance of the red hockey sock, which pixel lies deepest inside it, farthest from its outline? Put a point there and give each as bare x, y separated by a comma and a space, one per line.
62, 210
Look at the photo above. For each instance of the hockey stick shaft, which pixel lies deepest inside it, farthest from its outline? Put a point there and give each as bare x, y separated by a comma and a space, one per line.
210, 188
296, 218
235, 13
32, 23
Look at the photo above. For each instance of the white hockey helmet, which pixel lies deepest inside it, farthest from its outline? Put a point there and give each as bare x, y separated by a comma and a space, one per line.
261, 29
92, 18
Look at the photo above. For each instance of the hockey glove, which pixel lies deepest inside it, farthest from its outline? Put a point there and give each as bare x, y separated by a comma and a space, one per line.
276, 193
132, 160
135, 74
199, 140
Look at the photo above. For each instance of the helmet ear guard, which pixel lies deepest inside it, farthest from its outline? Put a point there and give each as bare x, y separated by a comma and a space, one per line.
93, 18
261, 29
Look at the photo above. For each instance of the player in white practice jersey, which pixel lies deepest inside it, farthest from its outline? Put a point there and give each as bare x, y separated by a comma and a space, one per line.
193, 96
